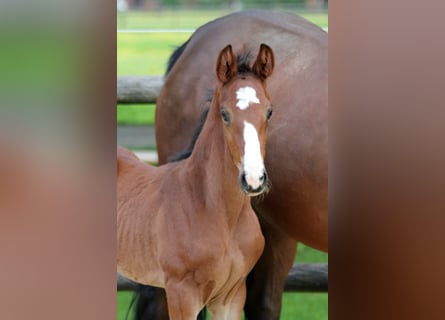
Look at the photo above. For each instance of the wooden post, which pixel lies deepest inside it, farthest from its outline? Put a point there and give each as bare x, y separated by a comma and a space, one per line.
138, 89
307, 277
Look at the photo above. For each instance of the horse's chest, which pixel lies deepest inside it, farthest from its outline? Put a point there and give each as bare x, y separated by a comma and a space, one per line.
243, 249
213, 253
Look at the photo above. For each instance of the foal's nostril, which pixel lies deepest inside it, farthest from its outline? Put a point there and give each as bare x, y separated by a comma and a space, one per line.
263, 177
243, 179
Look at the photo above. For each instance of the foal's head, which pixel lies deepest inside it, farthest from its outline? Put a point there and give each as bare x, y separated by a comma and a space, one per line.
245, 111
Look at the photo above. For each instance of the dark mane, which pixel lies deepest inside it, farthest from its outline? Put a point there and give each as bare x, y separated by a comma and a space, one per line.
186, 153
243, 61
175, 56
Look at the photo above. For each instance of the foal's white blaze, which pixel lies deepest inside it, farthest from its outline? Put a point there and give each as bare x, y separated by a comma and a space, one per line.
245, 96
253, 165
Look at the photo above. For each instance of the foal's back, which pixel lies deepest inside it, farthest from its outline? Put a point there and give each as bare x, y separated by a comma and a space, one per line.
149, 217
136, 213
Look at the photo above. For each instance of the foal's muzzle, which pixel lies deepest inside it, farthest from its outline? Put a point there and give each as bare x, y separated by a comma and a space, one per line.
253, 186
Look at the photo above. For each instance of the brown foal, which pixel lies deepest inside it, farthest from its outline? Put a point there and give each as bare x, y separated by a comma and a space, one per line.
188, 226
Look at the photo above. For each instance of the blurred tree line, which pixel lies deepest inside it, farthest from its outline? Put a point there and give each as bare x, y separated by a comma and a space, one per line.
156, 4
219, 2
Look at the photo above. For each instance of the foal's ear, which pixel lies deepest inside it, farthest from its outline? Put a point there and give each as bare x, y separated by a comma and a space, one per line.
226, 66
264, 63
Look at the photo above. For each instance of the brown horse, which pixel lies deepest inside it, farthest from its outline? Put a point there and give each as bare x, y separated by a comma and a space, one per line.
189, 226
296, 207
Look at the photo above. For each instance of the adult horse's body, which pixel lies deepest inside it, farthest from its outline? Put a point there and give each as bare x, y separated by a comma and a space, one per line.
189, 226
296, 207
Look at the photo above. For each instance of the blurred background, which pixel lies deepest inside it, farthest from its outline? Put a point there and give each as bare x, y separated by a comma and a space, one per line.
147, 33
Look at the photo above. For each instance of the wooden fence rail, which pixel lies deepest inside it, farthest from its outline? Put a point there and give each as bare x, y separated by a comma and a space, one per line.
138, 89
303, 277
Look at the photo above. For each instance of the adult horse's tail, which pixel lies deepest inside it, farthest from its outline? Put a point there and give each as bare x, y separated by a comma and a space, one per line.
149, 304
175, 56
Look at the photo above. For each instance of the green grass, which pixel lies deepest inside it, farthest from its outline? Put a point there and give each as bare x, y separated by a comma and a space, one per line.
123, 301
136, 114
305, 306
146, 53
306, 254
167, 19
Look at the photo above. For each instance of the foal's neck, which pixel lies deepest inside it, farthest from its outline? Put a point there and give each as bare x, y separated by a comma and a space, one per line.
212, 167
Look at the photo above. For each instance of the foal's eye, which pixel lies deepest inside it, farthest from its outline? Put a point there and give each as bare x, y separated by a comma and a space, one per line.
269, 113
225, 116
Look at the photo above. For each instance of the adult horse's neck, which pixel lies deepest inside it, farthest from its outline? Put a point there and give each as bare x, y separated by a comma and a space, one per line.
211, 166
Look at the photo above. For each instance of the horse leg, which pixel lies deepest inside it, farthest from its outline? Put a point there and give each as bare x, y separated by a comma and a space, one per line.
265, 283
183, 299
230, 306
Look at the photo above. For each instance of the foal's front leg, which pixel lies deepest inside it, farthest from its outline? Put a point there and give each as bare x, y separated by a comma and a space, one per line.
267, 279
183, 298
230, 306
